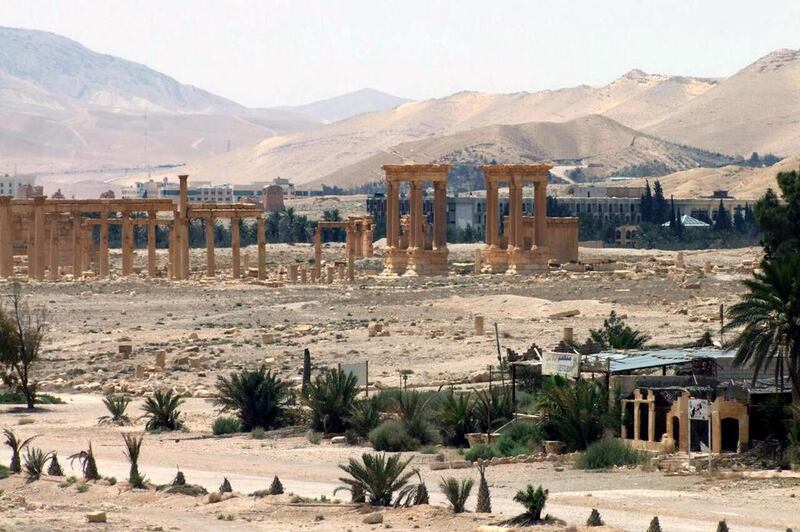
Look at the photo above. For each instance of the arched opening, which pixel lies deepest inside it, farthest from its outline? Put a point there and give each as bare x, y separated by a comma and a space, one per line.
729, 434
644, 421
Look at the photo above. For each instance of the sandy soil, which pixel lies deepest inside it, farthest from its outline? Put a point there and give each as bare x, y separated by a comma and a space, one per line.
429, 324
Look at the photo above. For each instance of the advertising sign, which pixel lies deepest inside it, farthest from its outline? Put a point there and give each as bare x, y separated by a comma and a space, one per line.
564, 364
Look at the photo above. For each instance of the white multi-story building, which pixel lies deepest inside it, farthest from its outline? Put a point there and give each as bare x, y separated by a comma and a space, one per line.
10, 184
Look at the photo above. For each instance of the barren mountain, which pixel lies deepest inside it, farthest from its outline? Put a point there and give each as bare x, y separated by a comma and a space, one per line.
310, 155
604, 146
740, 182
757, 109
347, 105
65, 106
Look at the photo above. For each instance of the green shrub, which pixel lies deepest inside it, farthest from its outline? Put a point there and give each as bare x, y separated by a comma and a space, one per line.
608, 453
533, 501
35, 462
594, 518
479, 451
519, 438
492, 409
377, 477
330, 397
655, 526
392, 436
574, 412
258, 433
414, 410
16, 398
364, 416
116, 406
456, 418
4, 472
257, 397
226, 425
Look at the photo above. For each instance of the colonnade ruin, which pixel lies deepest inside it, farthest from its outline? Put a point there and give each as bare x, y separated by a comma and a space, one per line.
58, 236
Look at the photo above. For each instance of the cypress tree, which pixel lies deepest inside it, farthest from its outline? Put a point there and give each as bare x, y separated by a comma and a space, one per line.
646, 207
484, 505
659, 206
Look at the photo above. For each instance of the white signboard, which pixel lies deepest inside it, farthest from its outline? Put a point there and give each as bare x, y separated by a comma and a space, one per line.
698, 409
359, 369
565, 364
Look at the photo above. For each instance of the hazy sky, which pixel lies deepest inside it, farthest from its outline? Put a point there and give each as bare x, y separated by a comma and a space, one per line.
275, 52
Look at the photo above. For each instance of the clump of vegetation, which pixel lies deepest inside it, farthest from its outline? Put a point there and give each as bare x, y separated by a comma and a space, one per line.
456, 492
608, 453
533, 500
116, 406
378, 476
413, 494
655, 526
16, 398
87, 463
480, 451
276, 488
364, 416
492, 409
22, 331
4, 472
162, 411
615, 334
330, 396
257, 397
35, 462
226, 425
722, 526
456, 418
575, 413
413, 409
225, 487
258, 433
519, 438
484, 505
594, 518
392, 436
133, 447
17, 446
55, 468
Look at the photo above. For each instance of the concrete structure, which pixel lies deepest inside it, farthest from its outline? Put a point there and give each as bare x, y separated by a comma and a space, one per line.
9, 185
272, 199
426, 251
56, 235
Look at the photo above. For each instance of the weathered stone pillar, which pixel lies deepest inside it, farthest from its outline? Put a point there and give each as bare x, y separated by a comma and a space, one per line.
235, 249
102, 251
440, 215
318, 251
86, 246
517, 221
540, 239
492, 237
415, 212
53, 269
210, 262
183, 226
127, 244
303, 274
350, 245
38, 237
151, 244
369, 235
262, 248
77, 245
393, 214
293, 273
6, 238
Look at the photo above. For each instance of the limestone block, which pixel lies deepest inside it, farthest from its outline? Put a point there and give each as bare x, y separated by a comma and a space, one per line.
565, 314
267, 338
479, 376
125, 350
478, 325
196, 362
373, 518
139, 371
161, 359
97, 517
374, 329
338, 440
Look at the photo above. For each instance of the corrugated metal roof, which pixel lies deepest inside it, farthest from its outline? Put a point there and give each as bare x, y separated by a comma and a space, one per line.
642, 359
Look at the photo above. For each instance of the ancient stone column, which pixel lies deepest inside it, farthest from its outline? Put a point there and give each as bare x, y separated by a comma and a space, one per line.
38, 237
86, 246
518, 223
127, 244
492, 238
54, 262
303, 274
293, 273
540, 214
237, 270
210, 263
393, 214
77, 245
318, 251
440, 215
351, 253
6, 238
103, 249
369, 235
262, 248
510, 230
415, 215
183, 230
151, 244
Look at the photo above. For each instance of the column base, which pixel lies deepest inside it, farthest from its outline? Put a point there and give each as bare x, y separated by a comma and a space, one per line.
495, 260
395, 261
526, 260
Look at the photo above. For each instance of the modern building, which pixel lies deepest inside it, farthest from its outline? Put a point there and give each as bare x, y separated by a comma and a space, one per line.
10, 185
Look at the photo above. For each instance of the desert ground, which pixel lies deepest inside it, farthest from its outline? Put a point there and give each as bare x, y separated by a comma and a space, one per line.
211, 327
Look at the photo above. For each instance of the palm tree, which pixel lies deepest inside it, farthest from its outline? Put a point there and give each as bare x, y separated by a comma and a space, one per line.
456, 418
258, 398
116, 405
162, 411
17, 446
87, 463
769, 315
615, 334
377, 476
575, 413
413, 494
133, 447
331, 397
35, 462
456, 493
